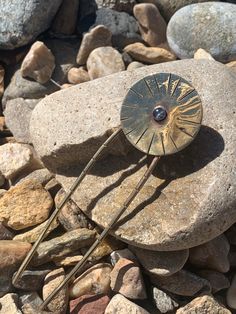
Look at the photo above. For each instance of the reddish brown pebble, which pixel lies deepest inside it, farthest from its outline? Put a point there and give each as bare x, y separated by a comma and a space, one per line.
88, 304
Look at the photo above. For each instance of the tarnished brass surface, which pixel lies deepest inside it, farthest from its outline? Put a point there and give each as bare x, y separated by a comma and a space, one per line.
182, 123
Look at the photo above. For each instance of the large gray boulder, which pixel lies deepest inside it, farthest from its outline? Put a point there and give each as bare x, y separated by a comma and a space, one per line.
22, 21
189, 199
210, 25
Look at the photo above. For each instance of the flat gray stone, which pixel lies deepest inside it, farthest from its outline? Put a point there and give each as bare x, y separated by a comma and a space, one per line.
161, 263
189, 199
182, 283
211, 26
22, 21
17, 115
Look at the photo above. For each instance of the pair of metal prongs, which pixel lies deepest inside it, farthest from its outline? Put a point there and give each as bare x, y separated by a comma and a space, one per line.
160, 115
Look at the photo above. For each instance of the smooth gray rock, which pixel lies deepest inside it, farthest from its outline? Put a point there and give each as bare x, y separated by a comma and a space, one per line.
211, 26
212, 255
22, 21
41, 175
217, 280
63, 245
161, 263
182, 283
124, 27
17, 116
195, 201
169, 7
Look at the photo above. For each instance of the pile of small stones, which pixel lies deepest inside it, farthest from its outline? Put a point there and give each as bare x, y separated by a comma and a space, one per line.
164, 259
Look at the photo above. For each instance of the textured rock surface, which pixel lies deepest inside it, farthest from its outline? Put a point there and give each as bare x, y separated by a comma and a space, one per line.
164, 221
169, 7
70, 216
20, 207
17, 114
150, 55
95, 280
161, 263
22, 21
124, 28
119, 304
89, 304
12, 253
103, 61
39, 63
59, 303
63, 245
203, 305
152, 26
117, 5
212, 255
126, 279
99, 36
186, 31
32, 235
163, 302
182, 283
43, 176
9, 304
15, 158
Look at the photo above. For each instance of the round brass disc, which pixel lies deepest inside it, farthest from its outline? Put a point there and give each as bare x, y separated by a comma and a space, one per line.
181, 114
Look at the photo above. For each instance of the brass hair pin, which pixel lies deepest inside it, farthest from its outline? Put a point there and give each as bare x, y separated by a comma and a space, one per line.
160, 115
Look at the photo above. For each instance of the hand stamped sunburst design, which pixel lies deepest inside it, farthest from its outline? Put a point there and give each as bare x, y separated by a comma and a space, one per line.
161, 114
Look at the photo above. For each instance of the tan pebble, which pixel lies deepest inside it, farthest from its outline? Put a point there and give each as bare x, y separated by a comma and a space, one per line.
99, 36
78, 75
204, 304
126, 278
59, 303
152, 26
151, 55
20, 206
104, 61
203, 54
95, 280
39, 63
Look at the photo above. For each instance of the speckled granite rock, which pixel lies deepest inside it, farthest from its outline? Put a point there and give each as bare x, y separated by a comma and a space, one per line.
124, 27
21, 21
164, 221
205, 304
210, 26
